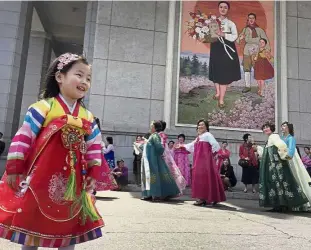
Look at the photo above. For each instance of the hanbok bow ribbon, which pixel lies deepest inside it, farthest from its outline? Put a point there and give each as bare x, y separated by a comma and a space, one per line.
221, 39
25, 184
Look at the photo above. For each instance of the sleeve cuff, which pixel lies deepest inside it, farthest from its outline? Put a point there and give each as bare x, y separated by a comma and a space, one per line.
15, 167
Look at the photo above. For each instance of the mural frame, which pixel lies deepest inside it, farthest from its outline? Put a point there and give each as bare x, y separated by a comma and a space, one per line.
280, 44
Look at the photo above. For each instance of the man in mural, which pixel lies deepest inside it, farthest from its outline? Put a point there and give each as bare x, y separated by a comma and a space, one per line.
252, 34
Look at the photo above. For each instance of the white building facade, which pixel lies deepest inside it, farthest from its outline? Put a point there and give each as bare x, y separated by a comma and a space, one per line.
133, 47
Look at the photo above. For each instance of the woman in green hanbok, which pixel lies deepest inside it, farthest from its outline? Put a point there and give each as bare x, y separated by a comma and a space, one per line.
157, 181
278, 188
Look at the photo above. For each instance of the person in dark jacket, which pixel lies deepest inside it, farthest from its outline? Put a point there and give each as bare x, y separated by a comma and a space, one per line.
2, 144
227, 175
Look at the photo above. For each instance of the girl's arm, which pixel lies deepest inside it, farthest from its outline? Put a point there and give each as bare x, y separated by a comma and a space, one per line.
26, 136
189, 147
93, 154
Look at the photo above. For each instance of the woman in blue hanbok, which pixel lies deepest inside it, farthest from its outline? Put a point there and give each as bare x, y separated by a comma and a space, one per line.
109, 153
278, 187
157, 181
298, 169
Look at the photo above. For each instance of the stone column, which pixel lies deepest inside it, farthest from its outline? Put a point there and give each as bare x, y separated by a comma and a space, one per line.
89, 36
15, 24
39, 54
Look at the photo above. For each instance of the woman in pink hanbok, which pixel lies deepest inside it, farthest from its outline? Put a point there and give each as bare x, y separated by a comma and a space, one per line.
169, 160
222, 154
181, 159
206, 182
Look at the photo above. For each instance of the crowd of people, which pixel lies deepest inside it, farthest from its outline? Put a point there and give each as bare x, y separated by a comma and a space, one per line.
57, 160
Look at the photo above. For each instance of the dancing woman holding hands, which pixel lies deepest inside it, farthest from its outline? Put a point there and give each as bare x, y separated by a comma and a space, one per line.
206, 185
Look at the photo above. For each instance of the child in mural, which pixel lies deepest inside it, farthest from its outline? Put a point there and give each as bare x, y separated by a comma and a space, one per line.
252, 34
224, 65
44, 205
263, 69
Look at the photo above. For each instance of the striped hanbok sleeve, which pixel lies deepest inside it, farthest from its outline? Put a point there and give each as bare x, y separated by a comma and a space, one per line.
94, 154
26, 136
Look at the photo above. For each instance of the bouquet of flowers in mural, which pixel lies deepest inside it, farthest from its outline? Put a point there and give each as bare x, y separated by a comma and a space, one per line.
202, 27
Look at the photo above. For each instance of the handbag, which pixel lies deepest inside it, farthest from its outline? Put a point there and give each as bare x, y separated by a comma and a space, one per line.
243, 163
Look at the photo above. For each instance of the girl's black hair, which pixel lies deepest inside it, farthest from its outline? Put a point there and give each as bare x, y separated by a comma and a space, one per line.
245, 137
51, 85
182, 136
158, 126
138, 136
269, 125
265, 40
97, 122
171, 141
109, 139
290, 128
225, 142
205, 122
228, 4
163, 125
307, 148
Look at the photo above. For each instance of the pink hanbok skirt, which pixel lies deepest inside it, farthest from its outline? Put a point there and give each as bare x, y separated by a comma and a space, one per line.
174, 170
206, 181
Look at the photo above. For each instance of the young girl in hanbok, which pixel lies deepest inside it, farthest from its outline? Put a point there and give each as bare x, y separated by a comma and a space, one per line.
105, 181
206, 182
53, 163
181, 158
169, 160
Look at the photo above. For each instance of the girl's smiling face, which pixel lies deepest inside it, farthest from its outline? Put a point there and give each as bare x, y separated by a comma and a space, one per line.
76, 82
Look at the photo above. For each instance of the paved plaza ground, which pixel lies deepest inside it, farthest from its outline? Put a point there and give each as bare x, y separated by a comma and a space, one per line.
132, 224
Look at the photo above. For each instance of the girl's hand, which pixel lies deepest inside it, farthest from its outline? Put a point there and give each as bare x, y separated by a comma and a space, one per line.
13, 181
90, 184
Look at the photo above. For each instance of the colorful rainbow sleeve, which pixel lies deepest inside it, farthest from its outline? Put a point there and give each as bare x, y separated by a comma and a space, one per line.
26, 136
93, 155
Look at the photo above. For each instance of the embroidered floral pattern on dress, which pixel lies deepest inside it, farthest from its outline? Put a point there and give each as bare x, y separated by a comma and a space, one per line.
57, 188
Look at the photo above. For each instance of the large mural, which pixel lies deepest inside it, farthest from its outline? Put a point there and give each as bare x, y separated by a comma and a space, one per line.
227, 63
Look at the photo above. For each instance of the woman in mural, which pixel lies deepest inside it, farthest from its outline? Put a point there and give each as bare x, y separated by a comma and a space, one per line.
222, 154
278, 188
181, 158
157, 181
224, 65
297, 168
206, 182
263, 69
